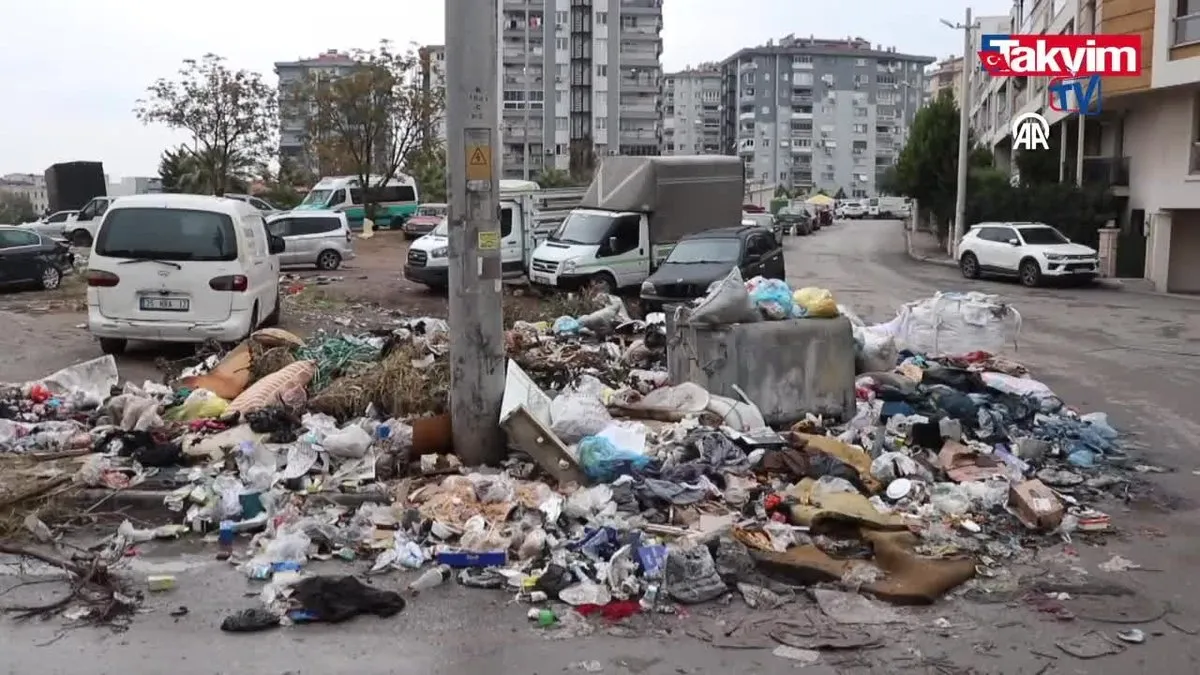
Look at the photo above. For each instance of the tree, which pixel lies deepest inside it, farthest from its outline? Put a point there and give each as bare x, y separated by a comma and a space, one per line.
427, 166
374, 116
781, 192
554, 178
229, 114
16, 208
1039, 167
841, 194
185, 170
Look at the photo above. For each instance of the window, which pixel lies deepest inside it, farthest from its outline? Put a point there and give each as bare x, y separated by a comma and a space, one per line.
706, 250
338, 197
1194, 158
560, 123
757, 246
860, 62
561, 44
167, 234
60, 217
1042, 235
14, 238
860, 128
802, 79
601, 70
506, 222
561, 17
628, 21
627, 231
601, 18
1187, 22
601, 122
801, 60
299, 226
260, 204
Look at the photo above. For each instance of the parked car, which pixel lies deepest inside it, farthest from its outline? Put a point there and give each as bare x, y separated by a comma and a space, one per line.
795, 220
700, 259
320, 238
53, 225
264, 207
27, 257
853, 211
181, 268
425, 219
762, 219
1032, 252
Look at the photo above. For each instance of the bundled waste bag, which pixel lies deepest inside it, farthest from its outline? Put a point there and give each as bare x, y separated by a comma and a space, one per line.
603, 461
772, 297
727, 302
818, 303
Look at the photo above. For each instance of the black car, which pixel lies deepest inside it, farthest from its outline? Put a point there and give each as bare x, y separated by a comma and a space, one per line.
700, 259
28, 257
795, 220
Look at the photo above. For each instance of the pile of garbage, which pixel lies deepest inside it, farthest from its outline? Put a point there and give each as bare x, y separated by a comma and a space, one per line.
731, 300
623, 493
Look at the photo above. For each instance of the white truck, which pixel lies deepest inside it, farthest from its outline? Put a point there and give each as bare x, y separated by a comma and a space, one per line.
528, 214
634, 212
887, 208
80, 228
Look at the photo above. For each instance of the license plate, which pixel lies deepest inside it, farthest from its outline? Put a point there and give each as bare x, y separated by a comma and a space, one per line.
165, 304
542, 279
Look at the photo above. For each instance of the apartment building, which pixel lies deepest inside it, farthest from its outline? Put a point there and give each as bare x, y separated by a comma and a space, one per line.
579, 79
29, 185
291, 120
946, 76
808, 114
433, 78
1144, 143
692, 111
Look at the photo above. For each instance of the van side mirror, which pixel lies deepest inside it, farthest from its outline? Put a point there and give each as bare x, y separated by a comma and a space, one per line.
1014, 242
275, 244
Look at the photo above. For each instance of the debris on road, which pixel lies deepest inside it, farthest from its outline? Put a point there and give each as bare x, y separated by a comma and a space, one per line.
625, 494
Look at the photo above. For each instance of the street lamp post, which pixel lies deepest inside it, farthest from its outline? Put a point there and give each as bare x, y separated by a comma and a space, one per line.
964, 132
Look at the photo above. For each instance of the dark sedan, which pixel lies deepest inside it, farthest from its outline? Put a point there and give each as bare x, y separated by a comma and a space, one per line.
700, 259
30, 258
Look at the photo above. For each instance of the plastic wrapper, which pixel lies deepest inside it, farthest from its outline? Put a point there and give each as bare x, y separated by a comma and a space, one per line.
773, 298
575, 416
349, 443
726, 302
200, 404
818, 303
949, 499
603, 461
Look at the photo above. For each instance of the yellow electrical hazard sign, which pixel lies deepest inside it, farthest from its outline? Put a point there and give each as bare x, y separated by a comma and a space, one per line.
479, 162
489, 241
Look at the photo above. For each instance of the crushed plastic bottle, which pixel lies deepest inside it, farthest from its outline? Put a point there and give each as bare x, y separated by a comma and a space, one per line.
430, 579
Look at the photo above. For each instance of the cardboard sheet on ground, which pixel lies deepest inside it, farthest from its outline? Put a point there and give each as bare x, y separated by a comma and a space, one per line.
854, 456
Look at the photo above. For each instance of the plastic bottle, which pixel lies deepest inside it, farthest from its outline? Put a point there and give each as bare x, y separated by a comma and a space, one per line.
431, 578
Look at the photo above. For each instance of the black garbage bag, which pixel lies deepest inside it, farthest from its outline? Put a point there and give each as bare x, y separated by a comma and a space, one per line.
144, 447
337, 599
961, 379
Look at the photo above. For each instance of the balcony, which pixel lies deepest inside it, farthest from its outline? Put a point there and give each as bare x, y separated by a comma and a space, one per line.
639, 111
640, 57
746, 116
638, 136
647, 33
801, 149
802, 99
638, 84
802, 115
1111, 171
641, 7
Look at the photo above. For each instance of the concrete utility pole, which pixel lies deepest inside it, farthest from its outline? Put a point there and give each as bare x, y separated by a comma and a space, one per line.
477, 359
964, 132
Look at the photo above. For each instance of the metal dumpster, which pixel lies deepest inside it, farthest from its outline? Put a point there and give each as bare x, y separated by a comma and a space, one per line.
788, 368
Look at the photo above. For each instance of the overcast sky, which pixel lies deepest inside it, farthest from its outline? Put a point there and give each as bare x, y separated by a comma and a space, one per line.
72, 69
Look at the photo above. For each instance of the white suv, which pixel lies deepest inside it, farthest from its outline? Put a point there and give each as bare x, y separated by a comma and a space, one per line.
1032, 252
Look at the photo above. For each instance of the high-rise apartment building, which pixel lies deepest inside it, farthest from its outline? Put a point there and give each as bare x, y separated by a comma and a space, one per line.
692, 111
946, 77
808, 114
291, 120
579, 79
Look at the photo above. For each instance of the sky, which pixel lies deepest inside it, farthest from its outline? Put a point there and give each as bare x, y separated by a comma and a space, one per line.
73, 69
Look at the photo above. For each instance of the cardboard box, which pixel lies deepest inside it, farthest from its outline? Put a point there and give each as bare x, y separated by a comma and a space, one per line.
1036, 505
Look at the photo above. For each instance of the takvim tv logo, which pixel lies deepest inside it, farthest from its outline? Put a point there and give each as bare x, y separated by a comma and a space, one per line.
1061, 56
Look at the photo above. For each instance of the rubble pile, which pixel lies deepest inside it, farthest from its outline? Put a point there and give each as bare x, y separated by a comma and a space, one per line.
624, 493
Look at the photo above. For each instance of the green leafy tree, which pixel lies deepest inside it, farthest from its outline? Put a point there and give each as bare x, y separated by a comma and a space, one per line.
781, 192
16, 208
1039, 167
555, 178
230, 115
185, 170
428, 167
372, 117
841, 194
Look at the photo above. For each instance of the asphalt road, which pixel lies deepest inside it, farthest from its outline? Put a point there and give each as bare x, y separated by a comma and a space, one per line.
1133, 356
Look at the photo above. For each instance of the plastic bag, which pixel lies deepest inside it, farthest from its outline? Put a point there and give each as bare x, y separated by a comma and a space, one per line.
566, 325
603, 461
575, 416
349, 443
818, 303
949, 499
726, 302
691, 574
200, 404
773, 298
956, 323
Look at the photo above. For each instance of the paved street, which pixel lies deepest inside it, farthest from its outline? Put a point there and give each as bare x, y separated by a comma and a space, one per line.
1134, 356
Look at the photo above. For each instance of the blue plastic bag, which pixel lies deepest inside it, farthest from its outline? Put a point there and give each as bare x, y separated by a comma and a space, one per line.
605, 462
773, 298
566, 325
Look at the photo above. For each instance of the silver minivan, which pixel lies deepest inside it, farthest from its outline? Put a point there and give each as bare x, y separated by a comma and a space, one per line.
320, 238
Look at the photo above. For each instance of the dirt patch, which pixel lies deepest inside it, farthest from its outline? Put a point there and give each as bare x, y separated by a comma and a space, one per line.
70, 296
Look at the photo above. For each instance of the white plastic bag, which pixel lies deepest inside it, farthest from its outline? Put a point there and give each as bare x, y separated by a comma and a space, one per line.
575, 416
957, 323
726, 302
349, 443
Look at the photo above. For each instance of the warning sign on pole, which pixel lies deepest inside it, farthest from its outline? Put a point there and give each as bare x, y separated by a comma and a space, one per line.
479, 162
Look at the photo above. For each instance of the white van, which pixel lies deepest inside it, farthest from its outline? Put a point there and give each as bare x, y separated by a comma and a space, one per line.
395, 200
181, 268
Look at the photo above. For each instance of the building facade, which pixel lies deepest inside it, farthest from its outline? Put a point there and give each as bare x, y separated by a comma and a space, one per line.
1143, 144
580, 79
32, 186
946, 77
808, 114
692, 111
293, 74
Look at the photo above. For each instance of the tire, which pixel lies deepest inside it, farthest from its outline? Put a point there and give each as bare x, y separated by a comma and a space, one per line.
968, 264
114, 346
81, 238
51, 278
273, 318
329, 260
604, 283
1030, 273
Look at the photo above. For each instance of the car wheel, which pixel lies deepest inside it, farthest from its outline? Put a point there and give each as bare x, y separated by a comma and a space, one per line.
969, 265
51, 277
1031, 273
604, 283
329, 260
81, 238
114, 346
